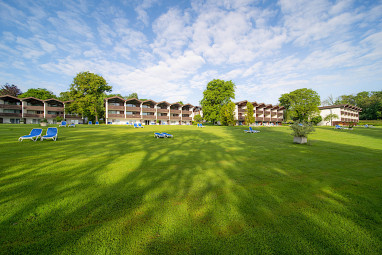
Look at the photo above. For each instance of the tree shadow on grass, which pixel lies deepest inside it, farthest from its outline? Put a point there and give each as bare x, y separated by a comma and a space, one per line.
205, 191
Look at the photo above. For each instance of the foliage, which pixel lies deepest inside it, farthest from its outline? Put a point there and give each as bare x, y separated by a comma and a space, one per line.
59, 119
65, 96
286, 101
370, 102
132, 95
88, 92
217, 94
11, 90
39, 93
330, 117
301, 129
328, 101
249, 119
115, 95
227, 114
370, 122
198, 118
44, 120
316, 119
302, 104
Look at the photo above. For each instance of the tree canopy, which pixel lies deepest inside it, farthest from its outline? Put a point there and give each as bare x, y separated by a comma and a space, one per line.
227, 114
39, 93
370, 102
88, 91
11, 90
301, 104
249, 119
132, 95
217, 94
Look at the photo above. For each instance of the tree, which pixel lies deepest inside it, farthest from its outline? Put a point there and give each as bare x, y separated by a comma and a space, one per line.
302, 103
132, 95
328, 101
330, 117
249, 114
316, 119
65, 96
227, 114
39, 93
286, 101
198, 118
217, 94
11, 90
88, 91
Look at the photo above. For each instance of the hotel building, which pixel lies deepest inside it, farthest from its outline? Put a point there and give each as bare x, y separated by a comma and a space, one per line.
32, 110
346, 114
265, 114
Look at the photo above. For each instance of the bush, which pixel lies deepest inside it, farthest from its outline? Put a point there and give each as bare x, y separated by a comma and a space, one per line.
302, 129
315, 120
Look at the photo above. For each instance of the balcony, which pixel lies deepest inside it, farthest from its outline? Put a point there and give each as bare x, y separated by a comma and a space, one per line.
267, 119
267, 112
175, 118
279, 119
30, 115
133, 116
116, 107
133, 109
186, 118
148, 117
162, 117
116, 115
8, 114
10, 106
162, 110
34, 108
259, 119
240, 117
54, 109
148, 109
175, 111
240, 110
186, 112
274, 119
51, 116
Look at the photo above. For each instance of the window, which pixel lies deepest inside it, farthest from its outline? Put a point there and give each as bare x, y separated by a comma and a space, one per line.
15, 121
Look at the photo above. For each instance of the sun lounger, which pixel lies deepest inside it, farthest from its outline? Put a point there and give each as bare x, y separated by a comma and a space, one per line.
97, 123
63, 124
51, 133
140, 125
251, 130
72, 125
90, 123
159, 135
135, 125
34, 135
167, 135
338, 127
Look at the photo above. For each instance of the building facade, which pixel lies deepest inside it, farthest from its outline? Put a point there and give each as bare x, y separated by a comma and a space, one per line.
32, 110
347, 114
149, 112
265, 114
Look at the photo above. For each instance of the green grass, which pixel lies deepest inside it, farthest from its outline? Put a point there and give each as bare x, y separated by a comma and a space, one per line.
115, 189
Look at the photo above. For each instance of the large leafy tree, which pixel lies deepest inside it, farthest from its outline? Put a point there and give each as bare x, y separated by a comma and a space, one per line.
88, 91
286, 101
370, 102
39, 93
227, 114
249, 114
132, 95
11, 90
217, 94
302, 103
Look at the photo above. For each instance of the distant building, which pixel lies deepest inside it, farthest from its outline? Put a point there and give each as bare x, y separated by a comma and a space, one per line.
265, 114
346, 114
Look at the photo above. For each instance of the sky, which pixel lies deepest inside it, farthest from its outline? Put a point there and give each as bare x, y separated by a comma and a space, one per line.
170, 50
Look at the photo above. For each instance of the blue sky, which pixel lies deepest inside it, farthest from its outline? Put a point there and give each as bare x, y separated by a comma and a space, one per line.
170, 50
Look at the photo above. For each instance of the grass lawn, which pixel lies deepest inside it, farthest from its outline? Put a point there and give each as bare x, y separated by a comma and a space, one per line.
116, 189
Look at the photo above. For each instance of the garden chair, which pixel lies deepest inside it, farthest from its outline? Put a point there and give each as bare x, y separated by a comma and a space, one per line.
97, 123
72, 125
33, 135
135, 125
140, 125
167, 135
63, 124
51, 133
90, 123
337, 127
159, 135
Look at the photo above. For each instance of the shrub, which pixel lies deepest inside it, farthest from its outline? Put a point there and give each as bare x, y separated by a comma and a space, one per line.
302, 129
316, 119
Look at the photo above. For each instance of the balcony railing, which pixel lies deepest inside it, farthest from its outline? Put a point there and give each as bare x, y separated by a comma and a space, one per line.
10, 106
267, 119
116, 107
136, 109
133, 116
55, 109
240, 118
186, 118
149, 117
148, 109
240, 110
259, 119
162, 117
116, 115
9, 114
175, 111
175, 117
162, 110
30, 115
34, 108
49, 116
186, 112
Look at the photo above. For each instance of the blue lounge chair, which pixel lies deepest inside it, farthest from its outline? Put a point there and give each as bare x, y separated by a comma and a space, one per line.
90, 123
72, 125
135, 125
97, 123
34, 135
159, 135
337, 127
251, 130
51, 133
127, 123
63, 124
167, 135
140, 125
